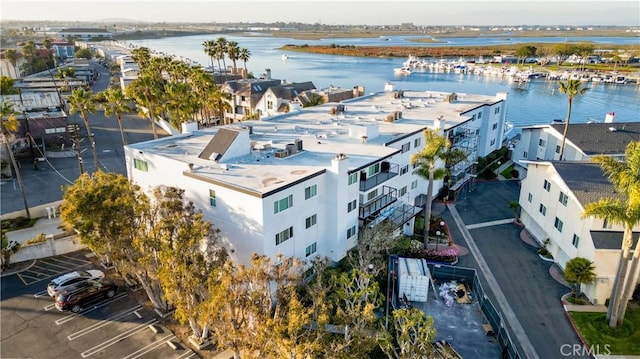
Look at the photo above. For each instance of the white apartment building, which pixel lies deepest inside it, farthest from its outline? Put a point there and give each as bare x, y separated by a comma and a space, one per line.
304, 183
552, 198
584, 140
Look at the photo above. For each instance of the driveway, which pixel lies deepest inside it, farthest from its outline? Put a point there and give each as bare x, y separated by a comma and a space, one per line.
516, 279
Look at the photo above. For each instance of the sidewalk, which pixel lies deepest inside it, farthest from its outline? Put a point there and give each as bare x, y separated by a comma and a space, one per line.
43, 225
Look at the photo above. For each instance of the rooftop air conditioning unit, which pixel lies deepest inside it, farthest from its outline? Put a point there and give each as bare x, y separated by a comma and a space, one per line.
281, 153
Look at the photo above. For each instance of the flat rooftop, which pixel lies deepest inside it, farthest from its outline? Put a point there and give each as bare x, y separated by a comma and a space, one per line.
361, 133
32, 101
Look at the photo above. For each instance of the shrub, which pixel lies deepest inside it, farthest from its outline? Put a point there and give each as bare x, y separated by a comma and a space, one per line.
37, 239
448, 255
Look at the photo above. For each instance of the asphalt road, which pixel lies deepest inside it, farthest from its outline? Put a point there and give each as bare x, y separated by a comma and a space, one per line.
524, 279
31, 327
44, 184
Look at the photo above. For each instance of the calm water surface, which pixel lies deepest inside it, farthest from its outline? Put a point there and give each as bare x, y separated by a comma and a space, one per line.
534, 103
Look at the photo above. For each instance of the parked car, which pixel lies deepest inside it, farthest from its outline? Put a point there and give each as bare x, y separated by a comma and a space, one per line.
67, 280
83, 293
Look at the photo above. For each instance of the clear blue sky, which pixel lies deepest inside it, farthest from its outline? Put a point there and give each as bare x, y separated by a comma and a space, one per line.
333, 12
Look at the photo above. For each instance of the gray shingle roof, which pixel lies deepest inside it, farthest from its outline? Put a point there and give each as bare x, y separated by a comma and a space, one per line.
597, 138
291, 90
586, 180
219, 144
610, 239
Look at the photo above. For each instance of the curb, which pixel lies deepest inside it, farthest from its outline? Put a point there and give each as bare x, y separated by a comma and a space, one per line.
575, 329
12, 272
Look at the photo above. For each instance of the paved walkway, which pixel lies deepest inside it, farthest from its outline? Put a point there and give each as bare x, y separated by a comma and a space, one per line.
43, 225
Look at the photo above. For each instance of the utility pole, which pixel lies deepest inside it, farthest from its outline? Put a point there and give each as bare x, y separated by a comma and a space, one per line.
74, 131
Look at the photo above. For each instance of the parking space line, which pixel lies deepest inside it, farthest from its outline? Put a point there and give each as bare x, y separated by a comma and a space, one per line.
75, 315
72, 262
50, 306
41, 294
74, 259
102, 323
65, 268
117, 338
142, 351
23, 278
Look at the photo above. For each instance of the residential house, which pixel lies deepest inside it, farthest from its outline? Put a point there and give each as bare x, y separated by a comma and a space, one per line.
305, 183
245, 95
584, 140
552, 198
276, 99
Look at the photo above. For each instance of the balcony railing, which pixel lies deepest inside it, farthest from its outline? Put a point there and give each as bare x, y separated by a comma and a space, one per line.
373, 207
387, 171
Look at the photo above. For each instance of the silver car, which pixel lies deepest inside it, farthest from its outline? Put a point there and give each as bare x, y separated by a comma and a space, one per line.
69, 279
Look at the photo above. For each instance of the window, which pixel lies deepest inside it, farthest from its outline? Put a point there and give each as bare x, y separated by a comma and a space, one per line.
310, 191
270, 105
310, 249
351, 206
372, 170
547, 185
311, 221
281, 205
557, 149
406, 147
479, 115
414, 184
140, 165
416, 142
371, 195
404, 170
351, 232
402, 191
606, 224
543, 209
525, 154
212, 198
575, 241
530, 197
542, 143
563, 198
353, 178
284, 235
497, 110
495, 125
493, 142
558, 224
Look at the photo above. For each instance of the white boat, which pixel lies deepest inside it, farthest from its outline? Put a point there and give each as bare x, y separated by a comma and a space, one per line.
620, 80
284, 57
404, 70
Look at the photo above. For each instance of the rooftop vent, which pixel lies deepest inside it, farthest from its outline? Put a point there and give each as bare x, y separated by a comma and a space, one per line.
280, 153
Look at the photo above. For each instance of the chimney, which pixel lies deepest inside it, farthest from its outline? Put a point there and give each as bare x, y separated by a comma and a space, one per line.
267, 74
609, 117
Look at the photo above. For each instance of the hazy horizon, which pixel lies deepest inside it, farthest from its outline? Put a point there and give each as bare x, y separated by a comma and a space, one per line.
332, 12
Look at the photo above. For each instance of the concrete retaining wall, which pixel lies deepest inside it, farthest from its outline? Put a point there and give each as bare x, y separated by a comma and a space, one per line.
36, 211
50, 247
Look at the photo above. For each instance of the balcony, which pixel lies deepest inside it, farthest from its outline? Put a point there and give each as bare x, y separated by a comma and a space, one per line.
373, 207
387, 171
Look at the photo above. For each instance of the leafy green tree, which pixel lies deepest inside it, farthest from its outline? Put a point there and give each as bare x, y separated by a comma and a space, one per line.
515, 207
526, 51
6, 86
314, 100
83, 54
146, 91
625, 177
413, 335
571, 88
82, 101
9, 125
436, 148
7, 249
579, 271
562, 52
116, 104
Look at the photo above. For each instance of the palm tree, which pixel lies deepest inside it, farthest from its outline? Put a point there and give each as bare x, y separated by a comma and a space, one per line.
625, 177
436, 148
10, 125
220, 101
146, 91
221, 51
29, 52
244, 55
181, 103
579, 271
572, 88
48, 45
116, 104
141, 56
209, 50
82, 101
234, 53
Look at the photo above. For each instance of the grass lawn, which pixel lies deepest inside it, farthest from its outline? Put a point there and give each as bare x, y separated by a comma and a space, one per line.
507, 172
595, 330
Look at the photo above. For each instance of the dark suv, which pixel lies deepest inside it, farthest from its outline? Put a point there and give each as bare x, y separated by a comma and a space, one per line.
90, 291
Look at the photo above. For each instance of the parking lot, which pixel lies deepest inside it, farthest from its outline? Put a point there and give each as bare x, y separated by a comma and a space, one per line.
118, 327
